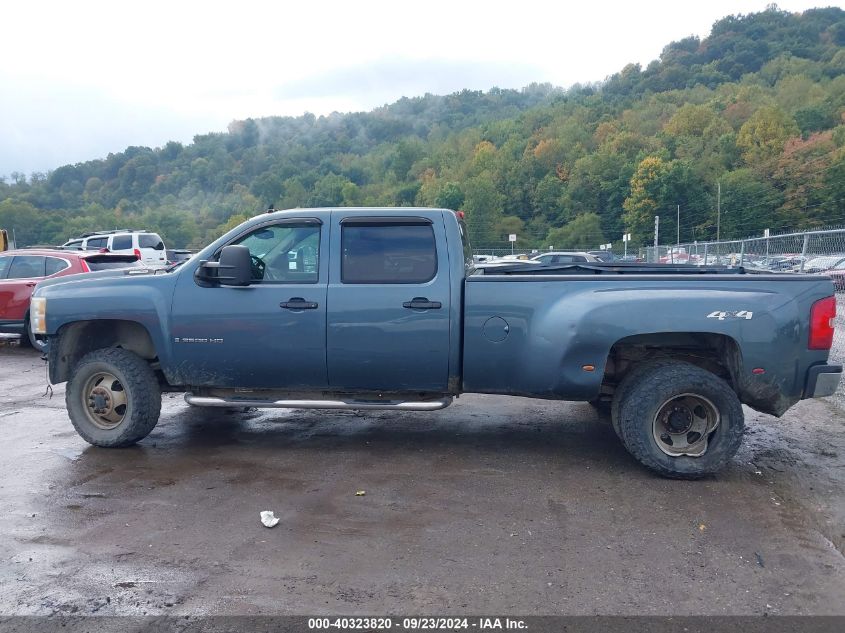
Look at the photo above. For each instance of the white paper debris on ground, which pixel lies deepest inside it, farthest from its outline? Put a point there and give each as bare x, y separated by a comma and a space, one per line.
268, 519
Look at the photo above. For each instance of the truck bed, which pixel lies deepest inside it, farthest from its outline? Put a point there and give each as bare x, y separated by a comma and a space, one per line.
556, 330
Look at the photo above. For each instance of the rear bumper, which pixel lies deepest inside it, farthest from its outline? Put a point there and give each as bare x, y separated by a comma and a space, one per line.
822, 380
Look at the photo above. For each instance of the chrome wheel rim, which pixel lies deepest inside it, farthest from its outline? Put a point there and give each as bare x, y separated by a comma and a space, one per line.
684, 425
104, 400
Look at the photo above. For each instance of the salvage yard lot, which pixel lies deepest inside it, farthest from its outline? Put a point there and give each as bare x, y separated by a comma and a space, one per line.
493, 505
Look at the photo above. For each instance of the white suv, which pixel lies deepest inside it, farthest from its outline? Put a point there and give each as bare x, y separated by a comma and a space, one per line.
147, 247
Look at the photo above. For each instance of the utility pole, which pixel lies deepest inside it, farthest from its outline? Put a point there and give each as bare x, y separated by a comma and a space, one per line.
656, 233
678, 239
718, 208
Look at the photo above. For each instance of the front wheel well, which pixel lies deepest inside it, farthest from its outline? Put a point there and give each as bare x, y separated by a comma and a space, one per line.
74, 340
717, 353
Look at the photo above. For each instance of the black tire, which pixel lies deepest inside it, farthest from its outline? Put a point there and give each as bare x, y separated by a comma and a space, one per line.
135, 379
29, 339
26, 340
631, 378
601, 405
655, 387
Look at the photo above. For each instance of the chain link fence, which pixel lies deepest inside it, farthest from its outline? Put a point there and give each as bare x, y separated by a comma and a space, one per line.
811, 251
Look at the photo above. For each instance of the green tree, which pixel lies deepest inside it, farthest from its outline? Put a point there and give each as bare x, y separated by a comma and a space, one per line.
582, 233
451, 196
647, 192
483, 209
748, 200
763, 136
511, 224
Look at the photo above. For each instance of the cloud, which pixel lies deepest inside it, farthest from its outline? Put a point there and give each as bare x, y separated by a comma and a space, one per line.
43, 126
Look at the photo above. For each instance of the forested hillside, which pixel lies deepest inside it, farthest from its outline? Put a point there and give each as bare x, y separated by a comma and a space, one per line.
757, 107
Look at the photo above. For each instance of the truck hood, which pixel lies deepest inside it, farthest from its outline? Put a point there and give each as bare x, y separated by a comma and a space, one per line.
91, 278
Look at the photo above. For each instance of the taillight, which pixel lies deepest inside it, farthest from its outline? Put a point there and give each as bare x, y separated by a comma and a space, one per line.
138, 253
822, 315
85, 267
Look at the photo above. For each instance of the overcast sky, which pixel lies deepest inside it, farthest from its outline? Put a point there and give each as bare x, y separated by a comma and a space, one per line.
80, 79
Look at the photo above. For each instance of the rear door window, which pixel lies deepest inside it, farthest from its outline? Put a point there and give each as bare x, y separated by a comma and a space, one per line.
387, 253
55, 265
4, 265
121, 243
150, 240
26, 267
95, 264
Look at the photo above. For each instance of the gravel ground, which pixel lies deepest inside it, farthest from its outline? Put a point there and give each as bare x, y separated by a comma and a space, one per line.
494, 505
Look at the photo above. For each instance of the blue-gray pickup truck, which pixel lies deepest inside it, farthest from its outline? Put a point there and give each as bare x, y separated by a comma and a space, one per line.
384, 309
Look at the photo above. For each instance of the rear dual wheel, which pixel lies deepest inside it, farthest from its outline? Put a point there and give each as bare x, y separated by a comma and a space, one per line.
677, 419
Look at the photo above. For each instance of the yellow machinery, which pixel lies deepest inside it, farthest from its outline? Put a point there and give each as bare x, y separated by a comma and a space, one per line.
4, 240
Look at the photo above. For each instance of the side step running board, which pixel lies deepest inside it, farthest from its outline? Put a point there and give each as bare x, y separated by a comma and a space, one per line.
400, 405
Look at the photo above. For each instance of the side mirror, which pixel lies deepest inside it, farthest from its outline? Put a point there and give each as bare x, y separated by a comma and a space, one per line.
232, 269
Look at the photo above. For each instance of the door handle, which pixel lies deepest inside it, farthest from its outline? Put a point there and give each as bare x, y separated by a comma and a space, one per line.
298, 303
30, 284
421, 303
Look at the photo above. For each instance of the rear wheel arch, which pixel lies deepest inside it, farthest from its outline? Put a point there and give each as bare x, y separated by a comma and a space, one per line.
719, 354
75, 340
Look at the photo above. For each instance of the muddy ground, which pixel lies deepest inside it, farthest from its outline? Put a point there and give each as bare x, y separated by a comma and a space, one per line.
496, 504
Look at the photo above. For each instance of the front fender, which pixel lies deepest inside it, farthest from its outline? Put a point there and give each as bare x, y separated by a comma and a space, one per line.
144, 300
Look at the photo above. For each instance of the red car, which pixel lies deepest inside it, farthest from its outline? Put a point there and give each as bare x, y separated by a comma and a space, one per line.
20, 270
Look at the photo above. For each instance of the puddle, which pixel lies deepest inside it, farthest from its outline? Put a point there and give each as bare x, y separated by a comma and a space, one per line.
71, 453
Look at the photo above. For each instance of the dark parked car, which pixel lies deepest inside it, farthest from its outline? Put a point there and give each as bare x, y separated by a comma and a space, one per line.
604, 256
21, 270
784, 263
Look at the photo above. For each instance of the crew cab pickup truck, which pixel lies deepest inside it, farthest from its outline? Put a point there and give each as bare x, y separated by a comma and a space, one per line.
383, 309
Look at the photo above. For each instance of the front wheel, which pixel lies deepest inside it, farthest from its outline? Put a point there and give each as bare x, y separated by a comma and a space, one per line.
113, 398
680, 420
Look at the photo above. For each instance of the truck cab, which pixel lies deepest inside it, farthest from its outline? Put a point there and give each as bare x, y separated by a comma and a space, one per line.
381, 301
